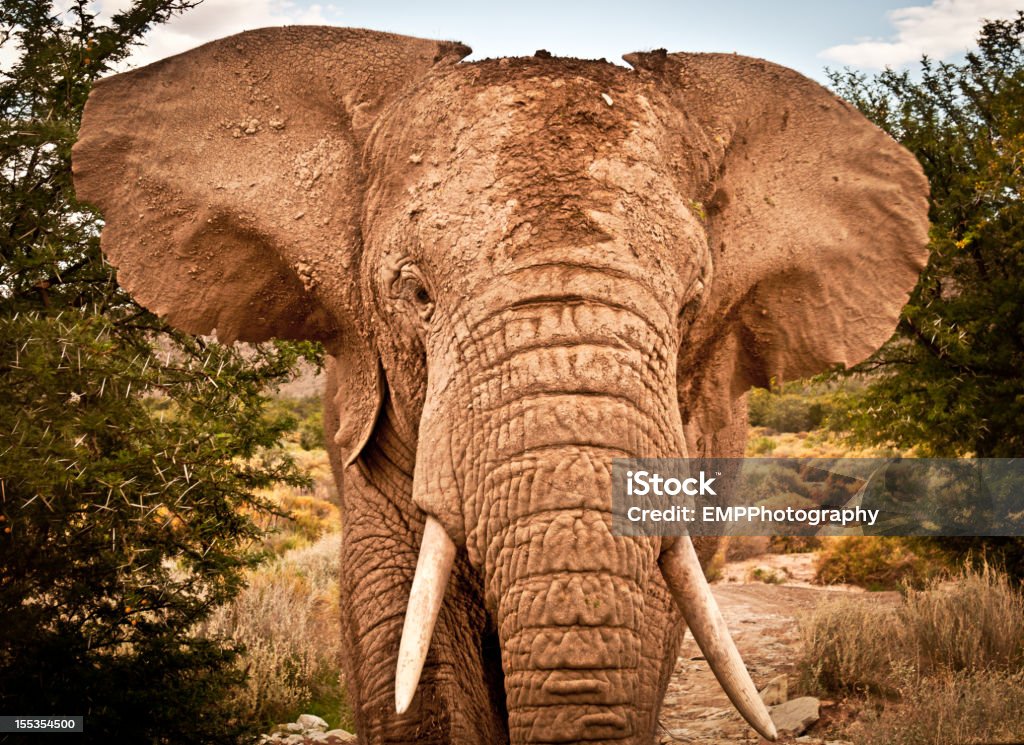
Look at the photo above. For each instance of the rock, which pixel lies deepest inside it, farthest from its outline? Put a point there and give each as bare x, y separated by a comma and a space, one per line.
311, 722
293, 727
794, 717
776, 692
341, 737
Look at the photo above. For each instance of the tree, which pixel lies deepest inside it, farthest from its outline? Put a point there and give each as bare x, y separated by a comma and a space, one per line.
951, 380
131, 456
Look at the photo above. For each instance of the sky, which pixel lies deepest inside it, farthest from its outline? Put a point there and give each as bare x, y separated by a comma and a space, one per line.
807, 35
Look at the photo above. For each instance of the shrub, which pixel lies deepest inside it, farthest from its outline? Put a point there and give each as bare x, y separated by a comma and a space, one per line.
304, 417
305, 520
761, 446
874, 562
973, 622
768, 576
786, 410
848, 647
288, 621
793, 544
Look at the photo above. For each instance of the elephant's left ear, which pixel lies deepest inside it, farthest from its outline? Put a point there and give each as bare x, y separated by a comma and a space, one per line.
230, 176
817, 219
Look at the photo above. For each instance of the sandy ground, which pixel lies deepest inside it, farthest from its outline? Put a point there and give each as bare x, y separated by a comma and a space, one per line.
765, 623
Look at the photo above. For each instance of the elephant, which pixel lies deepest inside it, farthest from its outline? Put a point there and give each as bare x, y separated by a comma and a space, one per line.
519, 269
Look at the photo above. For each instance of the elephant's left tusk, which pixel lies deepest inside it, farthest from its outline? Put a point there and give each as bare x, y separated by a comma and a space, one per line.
434, 566
690, 590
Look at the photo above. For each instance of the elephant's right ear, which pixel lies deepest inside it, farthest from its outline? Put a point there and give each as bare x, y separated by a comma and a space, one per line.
817, 221
230, 182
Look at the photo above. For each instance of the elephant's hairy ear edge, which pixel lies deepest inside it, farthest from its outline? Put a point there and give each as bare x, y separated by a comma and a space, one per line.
822, 228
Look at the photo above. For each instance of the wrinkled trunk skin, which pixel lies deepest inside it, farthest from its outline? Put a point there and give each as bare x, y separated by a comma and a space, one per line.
588, 633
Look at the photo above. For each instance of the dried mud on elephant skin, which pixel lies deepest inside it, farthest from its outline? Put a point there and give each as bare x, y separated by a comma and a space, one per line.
519, 270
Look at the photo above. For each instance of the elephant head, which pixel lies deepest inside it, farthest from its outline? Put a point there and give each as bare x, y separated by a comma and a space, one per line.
520, 269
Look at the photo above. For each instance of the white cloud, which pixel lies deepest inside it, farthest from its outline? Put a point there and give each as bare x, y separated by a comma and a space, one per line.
214, 19
211, 19
942, 29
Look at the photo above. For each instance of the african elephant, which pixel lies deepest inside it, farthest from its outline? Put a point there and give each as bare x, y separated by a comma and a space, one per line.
520, 269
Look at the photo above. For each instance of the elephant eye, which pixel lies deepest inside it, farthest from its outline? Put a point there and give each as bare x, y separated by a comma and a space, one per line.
411, 287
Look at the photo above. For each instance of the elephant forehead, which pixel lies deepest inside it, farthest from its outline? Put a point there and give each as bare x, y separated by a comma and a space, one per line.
531, 150
518, 121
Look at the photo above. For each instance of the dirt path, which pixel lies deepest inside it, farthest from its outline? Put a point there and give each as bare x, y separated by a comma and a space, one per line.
764, 621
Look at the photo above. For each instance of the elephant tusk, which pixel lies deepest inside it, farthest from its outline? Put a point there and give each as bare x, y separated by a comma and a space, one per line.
692, 595
437, 552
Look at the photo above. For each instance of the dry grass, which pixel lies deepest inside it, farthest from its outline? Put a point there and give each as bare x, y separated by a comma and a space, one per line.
848, 647
288, 620
945, 663
763, 442
312, 513
951, 709
971, 623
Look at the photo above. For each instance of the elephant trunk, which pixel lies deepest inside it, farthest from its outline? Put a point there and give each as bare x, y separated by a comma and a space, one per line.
559, 390
568, 597
570, 610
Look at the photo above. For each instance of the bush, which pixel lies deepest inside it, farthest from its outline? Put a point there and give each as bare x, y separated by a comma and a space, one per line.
971, 623
768, 576
304, 521
793, 544
848, 647
761, 446
288, 622
873, 562
304, 420
1005, 553
132, 456
785, 410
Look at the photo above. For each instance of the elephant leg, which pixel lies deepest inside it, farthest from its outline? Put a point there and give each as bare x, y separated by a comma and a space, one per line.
460, 697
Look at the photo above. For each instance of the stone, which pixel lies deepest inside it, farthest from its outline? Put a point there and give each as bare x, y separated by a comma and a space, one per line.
311, 722
292, 727
341, 737
776, 692
794, 717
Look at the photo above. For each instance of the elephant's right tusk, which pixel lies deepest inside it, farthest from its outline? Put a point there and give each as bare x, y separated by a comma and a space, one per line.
434, 566
689, 588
